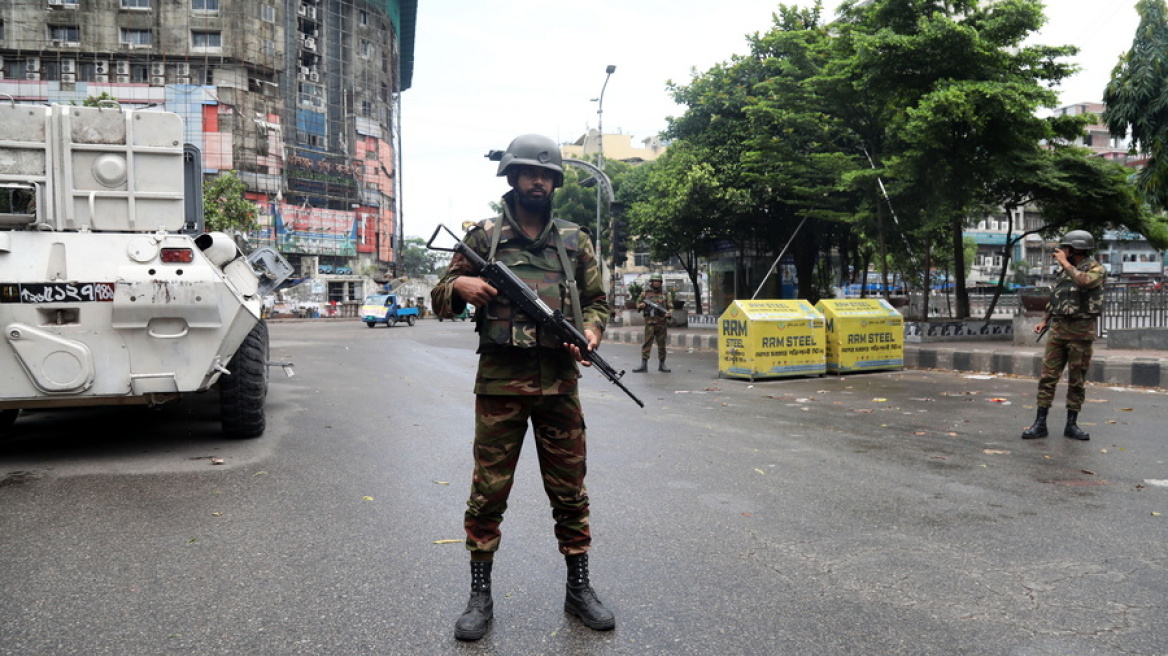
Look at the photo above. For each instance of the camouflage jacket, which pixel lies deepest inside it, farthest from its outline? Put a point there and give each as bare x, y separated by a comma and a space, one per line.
1077, 300
514, 357
651, 316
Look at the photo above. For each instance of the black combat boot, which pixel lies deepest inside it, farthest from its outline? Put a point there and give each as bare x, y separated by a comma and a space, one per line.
1072, 430
581, 601
643, 368
480, 609
1039, 427
662, 368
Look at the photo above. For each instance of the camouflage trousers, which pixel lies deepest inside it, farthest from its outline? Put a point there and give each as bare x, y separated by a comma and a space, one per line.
654, 332
1074, 353
500, 427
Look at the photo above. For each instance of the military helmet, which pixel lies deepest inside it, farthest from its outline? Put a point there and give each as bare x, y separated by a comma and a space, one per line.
533, 150
656, 277
1080, 240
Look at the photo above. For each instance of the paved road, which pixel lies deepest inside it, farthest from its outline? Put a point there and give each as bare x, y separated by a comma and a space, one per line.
881, 513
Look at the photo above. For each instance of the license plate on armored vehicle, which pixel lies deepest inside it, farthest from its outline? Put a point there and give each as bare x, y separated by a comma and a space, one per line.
57, 292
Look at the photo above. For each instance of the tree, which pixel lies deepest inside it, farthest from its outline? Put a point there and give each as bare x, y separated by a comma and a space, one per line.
1137, 99
224, 207
416, 260
955, 92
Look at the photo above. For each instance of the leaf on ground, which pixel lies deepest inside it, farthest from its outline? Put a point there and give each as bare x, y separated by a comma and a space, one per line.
441, 483
879, 399
367, 498
996, 452
1088, 472
863, 410
456, 541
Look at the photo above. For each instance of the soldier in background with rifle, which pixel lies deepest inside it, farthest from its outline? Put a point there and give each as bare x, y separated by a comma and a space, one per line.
652, 305
527, 373
1075, 304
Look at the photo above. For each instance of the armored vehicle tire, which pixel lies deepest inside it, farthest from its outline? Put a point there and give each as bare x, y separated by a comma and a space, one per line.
241, 394
371, 324
410, 319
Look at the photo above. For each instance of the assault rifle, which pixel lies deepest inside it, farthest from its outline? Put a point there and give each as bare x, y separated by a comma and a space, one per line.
656, 308
509, 285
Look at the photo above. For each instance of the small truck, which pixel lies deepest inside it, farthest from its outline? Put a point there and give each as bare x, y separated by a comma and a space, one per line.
384, 308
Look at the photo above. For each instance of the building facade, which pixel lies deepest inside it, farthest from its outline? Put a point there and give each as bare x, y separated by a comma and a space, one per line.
300, 98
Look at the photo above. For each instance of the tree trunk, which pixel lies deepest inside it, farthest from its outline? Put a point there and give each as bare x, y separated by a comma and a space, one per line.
959, 271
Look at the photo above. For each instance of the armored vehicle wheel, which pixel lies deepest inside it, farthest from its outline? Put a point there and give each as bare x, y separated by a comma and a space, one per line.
410, 319
241, 394
371, 324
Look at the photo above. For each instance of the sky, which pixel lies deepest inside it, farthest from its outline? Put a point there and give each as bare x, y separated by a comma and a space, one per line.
488, 71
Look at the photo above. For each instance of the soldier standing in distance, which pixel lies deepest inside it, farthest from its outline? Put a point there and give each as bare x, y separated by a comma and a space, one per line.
655, 324
1075, 304
523, 376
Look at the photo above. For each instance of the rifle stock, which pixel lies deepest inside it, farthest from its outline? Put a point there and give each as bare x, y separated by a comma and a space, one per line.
509, 285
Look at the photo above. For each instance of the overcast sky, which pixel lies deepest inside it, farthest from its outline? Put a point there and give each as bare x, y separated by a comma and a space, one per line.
487, 71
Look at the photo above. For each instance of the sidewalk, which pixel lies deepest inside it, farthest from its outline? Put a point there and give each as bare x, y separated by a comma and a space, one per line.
1139, 368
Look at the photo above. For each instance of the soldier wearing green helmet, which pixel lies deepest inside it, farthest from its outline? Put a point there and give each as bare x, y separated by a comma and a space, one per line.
1075, 304
525, 377
656, 323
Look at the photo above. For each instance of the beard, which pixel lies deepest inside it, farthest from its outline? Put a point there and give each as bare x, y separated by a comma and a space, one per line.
534, 203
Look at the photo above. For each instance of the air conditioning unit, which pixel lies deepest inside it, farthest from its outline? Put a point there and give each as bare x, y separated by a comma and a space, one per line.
68, 78
310, 43
56, 3
182, 79
32, 64
302, 10
123, 67
122, 79
182, 68
305, 71
157, 80
312, 13
157, 68
314, 76
57, 43
101, 67
68, 65
32, 75
101, 78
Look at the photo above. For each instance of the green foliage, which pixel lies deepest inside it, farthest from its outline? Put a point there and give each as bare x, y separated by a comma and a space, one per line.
1136, 98
415, 260
96, 101
224, 206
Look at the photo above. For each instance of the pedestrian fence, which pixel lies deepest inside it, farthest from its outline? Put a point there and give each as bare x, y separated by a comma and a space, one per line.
1123, 307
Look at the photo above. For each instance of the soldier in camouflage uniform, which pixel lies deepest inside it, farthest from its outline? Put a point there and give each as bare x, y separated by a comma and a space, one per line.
655, 324
1075, 304
524, 377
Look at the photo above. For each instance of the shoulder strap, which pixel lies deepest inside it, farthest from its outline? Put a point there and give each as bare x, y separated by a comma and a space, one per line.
570, 274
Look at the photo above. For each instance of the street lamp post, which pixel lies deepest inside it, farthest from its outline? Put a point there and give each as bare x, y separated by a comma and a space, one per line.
600, 142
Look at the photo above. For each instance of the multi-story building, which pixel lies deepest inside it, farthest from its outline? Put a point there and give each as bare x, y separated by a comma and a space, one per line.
300, 98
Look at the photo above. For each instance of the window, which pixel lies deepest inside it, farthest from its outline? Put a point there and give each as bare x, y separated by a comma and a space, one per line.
136, 37
366, 48
363, 18
65, 33
67, 3
135, 4
206, 40
269, 48
268, 13
205, 5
